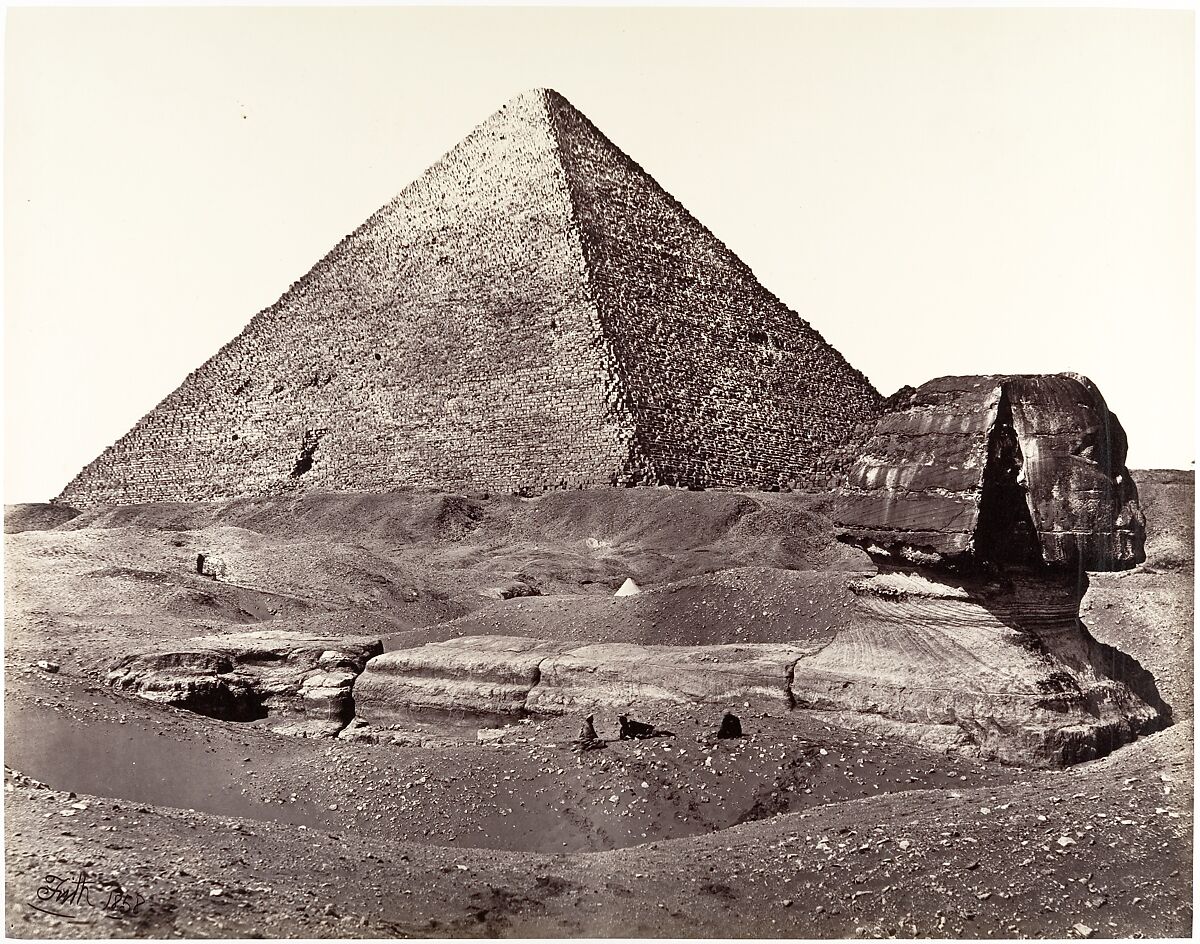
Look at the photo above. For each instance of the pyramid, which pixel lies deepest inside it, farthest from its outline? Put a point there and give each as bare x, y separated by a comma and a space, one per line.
533, 312
628, 589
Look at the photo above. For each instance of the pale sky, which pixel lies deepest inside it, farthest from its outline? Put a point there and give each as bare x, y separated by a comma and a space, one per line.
936, 191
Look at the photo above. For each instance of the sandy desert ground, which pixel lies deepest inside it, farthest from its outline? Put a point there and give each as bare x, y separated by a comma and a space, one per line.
127, 818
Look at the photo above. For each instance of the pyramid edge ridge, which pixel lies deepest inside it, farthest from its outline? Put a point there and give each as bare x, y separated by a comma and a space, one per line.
621, 404
551, 96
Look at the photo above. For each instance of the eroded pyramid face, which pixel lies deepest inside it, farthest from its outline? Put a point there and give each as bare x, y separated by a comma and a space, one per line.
533, 312
1011, 471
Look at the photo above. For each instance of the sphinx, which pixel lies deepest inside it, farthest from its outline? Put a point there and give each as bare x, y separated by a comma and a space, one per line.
983, 503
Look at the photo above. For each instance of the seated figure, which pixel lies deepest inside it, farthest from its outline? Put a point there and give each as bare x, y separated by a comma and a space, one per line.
731, 727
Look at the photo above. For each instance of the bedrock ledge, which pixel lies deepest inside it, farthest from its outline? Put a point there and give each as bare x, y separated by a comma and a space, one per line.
996, 667
1000, 669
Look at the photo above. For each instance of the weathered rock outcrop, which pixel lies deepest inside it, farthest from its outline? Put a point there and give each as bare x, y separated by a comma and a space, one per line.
514, 588
475, 674
301, 680
984, 501
510, 675
1000, 666
622, 675
208, 565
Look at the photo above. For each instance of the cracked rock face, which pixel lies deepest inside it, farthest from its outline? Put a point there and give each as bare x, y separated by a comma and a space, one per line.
621, 675
984, 501
304, 681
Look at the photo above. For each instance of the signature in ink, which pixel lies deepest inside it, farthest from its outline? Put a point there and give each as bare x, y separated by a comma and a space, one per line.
65, 896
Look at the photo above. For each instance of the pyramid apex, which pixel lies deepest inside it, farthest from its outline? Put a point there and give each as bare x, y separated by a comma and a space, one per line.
538, 92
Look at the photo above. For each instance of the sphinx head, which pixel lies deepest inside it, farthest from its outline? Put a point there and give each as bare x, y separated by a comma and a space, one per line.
1011, 472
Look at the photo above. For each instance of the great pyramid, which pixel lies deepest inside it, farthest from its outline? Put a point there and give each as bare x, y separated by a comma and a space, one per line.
533, 312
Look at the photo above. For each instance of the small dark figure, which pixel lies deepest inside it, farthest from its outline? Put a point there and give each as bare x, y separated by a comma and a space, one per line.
588, 739
634, 729
731, 727
631, 730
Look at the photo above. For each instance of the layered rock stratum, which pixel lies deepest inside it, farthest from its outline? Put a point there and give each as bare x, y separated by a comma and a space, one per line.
997, 470
519, 675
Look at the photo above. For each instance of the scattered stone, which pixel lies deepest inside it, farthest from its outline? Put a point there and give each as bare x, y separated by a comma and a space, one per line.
301, 679
509, 591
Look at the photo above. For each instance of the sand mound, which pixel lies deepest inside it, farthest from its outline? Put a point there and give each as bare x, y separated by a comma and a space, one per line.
738, 605
36, 517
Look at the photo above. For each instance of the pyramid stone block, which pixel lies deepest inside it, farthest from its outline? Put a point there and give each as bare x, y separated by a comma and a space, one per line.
533, 312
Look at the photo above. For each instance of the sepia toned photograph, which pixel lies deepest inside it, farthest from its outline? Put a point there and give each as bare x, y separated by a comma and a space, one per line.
598, 472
